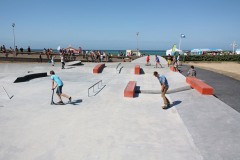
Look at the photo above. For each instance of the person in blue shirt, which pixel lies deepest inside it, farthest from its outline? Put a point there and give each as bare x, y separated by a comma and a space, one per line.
157, 61
59, 86
164, 87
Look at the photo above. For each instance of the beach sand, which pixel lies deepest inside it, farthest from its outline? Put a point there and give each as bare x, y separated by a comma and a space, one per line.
230, 69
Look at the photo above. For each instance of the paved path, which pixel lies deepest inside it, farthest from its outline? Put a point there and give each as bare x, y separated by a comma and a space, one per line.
226, 88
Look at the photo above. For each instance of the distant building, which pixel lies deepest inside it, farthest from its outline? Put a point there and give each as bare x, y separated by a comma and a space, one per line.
133, 53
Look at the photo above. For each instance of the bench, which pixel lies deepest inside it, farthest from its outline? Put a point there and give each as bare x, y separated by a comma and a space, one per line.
129, 91
172, 68
98, 68
137, 69
200, 86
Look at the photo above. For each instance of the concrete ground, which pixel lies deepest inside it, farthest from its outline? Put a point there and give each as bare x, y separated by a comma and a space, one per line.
226, 88
104, 124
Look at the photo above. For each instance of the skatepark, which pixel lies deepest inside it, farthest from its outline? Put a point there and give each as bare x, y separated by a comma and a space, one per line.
102, 124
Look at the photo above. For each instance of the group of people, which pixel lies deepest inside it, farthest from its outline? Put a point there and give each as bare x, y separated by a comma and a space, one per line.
175, 60
4, 50
96, 56
157, 60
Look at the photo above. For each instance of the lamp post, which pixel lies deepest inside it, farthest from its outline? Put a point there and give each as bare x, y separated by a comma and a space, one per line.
234, 44
13, 25
137, 42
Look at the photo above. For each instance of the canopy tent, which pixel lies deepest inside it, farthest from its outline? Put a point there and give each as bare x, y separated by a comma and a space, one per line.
72, 49
169, 52
201, 51
238, 51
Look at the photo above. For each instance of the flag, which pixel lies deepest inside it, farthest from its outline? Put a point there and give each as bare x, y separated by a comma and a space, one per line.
174, 48
183, 36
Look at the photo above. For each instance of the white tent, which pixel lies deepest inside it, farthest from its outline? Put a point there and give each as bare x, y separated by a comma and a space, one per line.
172, 53
238, 51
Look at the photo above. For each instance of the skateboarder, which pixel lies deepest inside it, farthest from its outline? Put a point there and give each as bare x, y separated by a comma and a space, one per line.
164, 87
59, 86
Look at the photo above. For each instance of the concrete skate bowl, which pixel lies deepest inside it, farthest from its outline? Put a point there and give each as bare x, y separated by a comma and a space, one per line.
30, 77
142, 60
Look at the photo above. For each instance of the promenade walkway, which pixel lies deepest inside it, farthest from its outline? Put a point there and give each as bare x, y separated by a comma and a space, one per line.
109, 126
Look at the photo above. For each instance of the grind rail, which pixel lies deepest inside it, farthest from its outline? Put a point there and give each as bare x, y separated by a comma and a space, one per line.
95, 85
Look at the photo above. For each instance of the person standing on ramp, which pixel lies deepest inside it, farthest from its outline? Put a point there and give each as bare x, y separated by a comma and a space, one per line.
59, 86
164, 87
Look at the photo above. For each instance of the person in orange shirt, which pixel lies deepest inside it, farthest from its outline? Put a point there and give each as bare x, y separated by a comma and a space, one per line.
148, 60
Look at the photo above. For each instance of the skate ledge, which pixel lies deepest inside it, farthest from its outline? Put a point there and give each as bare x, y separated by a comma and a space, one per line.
98, 68
30, 76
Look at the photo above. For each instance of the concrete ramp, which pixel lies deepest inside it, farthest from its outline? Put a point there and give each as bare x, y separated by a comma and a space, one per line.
74, 63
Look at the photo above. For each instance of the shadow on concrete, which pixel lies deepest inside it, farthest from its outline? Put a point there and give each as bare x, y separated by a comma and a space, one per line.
69, 67
77, 64
142, 71
137, 91
102, 68
76, 102
174, 103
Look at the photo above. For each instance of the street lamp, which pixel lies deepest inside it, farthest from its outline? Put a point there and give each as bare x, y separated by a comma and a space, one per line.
13, 25
137, 42
234, 44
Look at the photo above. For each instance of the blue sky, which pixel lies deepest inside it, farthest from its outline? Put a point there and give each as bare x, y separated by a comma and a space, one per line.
111, 24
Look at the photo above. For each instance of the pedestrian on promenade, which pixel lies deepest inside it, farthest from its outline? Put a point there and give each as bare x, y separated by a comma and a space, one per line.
164, 87
191, 72
59, 86
169, 59
148, 60
179, 60
62, 60
29, 49
53, 60
40, 57
157, 61
175, 66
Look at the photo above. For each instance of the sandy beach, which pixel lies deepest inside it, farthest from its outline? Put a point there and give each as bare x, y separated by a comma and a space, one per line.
230, 69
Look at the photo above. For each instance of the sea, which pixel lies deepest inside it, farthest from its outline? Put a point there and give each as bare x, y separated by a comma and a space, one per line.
118, 52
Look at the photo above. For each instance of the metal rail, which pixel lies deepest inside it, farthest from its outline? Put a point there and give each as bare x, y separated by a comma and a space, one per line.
94, 85
117, 67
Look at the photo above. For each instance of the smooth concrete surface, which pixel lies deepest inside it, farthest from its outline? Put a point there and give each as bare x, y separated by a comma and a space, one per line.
226, 89
108, 125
